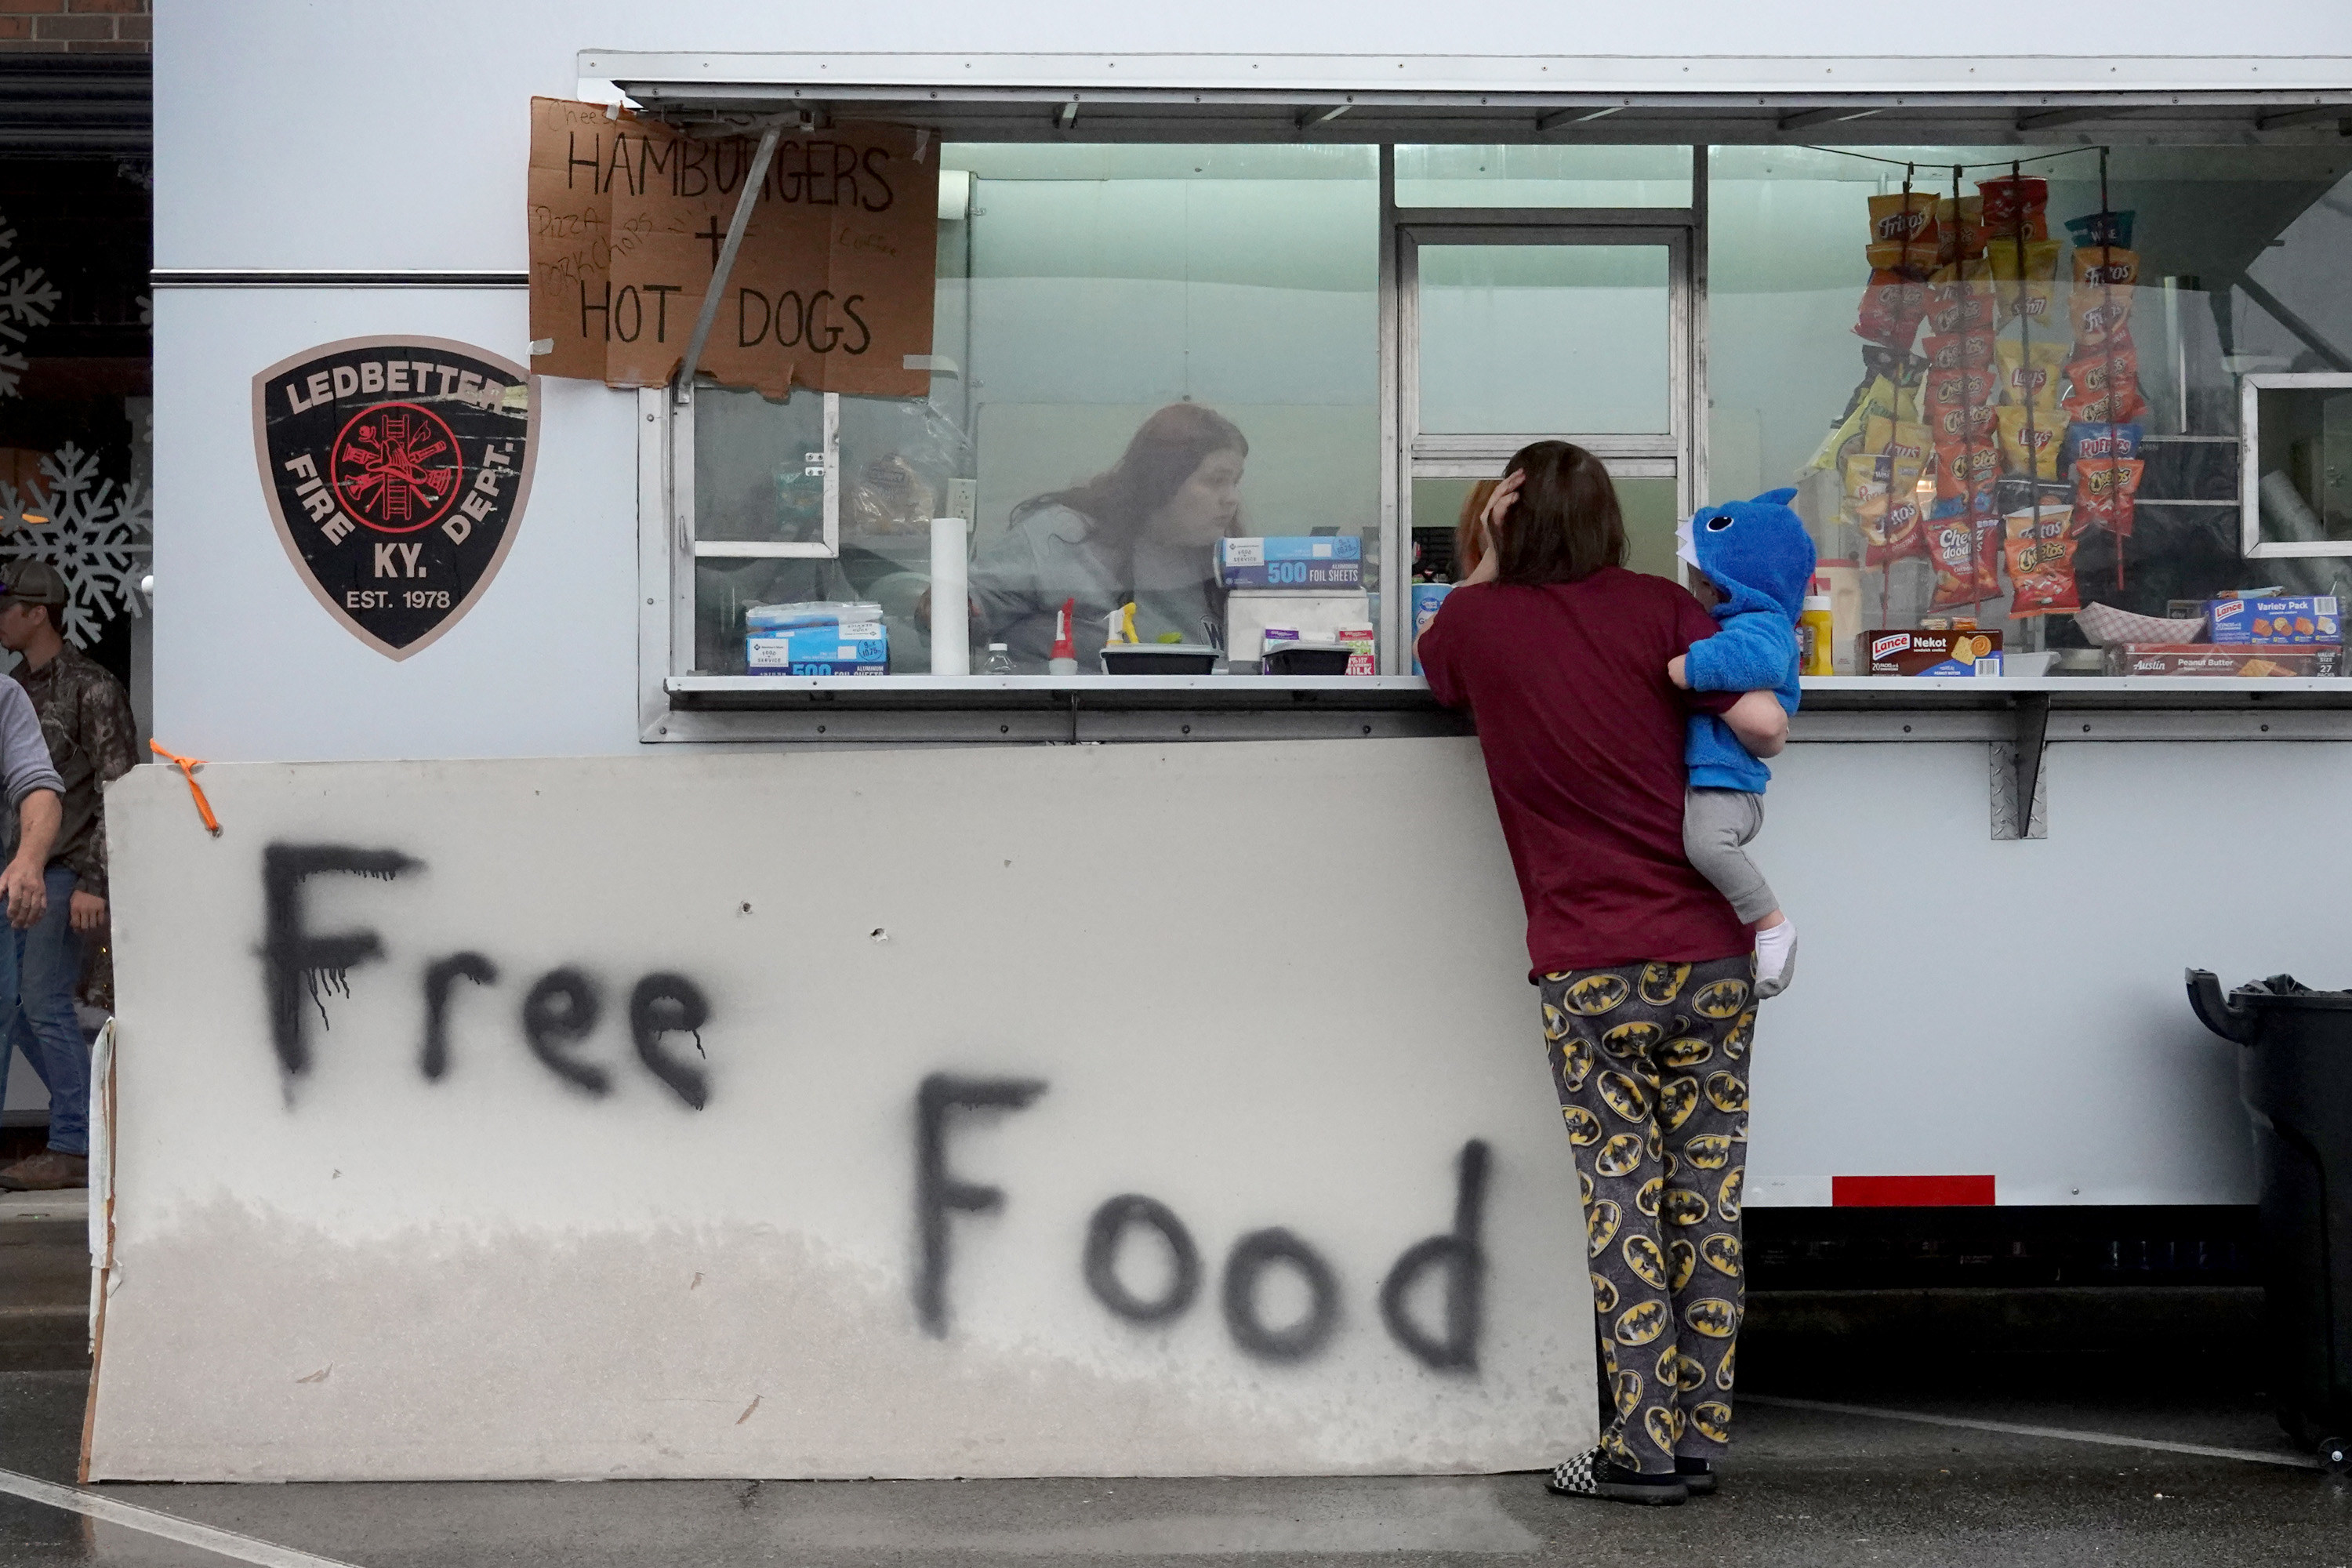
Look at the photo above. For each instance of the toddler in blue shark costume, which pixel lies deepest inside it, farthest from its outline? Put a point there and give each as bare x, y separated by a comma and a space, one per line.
1760, 560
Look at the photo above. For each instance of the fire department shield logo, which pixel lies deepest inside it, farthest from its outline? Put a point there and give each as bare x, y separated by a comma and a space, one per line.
396, 470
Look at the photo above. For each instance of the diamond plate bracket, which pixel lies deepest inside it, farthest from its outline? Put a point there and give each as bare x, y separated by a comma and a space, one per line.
2021, 801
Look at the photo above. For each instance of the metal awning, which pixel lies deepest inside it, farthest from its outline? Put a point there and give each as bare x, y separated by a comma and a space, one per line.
1985, 102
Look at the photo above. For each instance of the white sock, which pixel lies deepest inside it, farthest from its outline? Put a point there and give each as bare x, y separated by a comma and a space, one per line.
1776, 958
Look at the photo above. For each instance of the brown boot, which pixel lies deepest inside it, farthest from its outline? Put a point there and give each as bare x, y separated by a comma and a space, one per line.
47, 1171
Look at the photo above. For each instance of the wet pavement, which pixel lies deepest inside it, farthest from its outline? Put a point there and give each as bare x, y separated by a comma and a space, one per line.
1817, 1488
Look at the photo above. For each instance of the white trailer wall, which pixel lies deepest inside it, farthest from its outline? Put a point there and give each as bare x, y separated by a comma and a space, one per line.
294, 137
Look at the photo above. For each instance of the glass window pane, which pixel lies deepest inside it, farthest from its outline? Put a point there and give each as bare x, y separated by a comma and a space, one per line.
2230, 262
1525, 176
1647, 505
1137, 349
1564, 338
759, 466
2305, 464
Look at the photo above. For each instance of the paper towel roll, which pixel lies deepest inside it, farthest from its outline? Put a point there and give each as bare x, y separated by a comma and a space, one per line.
950, 602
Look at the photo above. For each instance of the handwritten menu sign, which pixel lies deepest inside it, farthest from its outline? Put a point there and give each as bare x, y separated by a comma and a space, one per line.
831, 290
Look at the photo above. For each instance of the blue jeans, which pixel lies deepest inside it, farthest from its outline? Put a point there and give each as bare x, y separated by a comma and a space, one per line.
39, 970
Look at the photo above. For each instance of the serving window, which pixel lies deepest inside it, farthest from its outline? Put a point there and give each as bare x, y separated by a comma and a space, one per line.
1147, 360
1213, 411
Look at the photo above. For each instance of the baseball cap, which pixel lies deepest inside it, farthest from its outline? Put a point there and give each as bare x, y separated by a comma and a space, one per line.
30, 582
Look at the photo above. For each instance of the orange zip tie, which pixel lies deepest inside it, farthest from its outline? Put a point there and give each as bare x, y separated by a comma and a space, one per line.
188, 766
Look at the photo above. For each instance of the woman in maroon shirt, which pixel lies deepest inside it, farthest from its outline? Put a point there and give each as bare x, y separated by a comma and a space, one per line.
1646, 971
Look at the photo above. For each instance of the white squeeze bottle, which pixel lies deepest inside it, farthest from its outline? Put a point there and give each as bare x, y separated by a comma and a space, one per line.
1066, 654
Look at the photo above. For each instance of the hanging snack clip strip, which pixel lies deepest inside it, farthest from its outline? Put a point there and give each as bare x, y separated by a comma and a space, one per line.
2108, 306
2025, 343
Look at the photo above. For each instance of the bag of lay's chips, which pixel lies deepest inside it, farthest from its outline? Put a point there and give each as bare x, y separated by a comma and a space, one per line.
2022, 428
1844, 433
2103, 492
1960, 228
2091, 441
1965, 550
2024, 285
2030, 372
2040, 552
1971, 350
1899, 439
1874, 396
1867, 477
2013, 204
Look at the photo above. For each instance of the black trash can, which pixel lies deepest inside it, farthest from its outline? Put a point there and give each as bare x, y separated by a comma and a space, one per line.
2295, 1078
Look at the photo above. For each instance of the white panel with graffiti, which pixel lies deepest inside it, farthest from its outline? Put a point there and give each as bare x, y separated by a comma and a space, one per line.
1067, 1111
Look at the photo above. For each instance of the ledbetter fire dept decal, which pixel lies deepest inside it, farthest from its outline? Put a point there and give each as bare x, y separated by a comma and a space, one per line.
396, 468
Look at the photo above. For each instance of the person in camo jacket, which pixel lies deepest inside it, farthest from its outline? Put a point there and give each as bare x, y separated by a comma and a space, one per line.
84, 716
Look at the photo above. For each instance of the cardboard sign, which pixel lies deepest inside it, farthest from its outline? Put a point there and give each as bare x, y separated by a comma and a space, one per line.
831, 290
396, 470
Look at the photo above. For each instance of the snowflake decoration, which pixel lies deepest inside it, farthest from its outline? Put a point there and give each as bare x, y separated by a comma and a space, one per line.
97, 533
27, 298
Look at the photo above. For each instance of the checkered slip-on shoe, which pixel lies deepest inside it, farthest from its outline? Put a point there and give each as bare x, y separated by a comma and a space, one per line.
1591, 1474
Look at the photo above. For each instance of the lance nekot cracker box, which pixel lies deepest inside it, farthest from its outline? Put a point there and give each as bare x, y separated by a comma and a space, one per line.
1929, 653
2243, 659
2311, 622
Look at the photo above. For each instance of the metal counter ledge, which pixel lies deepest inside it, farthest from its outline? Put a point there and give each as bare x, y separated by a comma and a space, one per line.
1849, 709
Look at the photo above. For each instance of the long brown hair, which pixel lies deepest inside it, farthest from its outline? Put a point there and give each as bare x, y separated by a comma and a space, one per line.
1166, 449
1469, 541
1564, 524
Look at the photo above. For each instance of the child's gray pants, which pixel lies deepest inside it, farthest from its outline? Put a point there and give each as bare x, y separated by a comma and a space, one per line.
1717, 824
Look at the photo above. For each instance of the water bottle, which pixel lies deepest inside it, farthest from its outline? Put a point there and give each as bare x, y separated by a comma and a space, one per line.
999, 661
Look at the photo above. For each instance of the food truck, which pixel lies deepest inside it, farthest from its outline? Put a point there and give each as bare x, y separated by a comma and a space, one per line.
745, 937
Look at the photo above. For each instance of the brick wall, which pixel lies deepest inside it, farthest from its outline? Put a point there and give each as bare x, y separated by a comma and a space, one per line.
77, 26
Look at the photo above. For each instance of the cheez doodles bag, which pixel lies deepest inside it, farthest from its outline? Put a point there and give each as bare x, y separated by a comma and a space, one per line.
1966, 553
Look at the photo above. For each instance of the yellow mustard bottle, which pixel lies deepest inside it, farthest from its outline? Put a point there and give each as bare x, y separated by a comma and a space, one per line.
1814, 652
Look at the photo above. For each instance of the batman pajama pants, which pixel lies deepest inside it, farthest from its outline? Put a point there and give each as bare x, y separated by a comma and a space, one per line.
1649, 1060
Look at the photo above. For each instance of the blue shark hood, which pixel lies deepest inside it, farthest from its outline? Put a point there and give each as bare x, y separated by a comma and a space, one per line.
1757, 553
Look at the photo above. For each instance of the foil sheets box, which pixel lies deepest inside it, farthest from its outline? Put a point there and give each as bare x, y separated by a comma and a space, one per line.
831, 648
1317, 561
